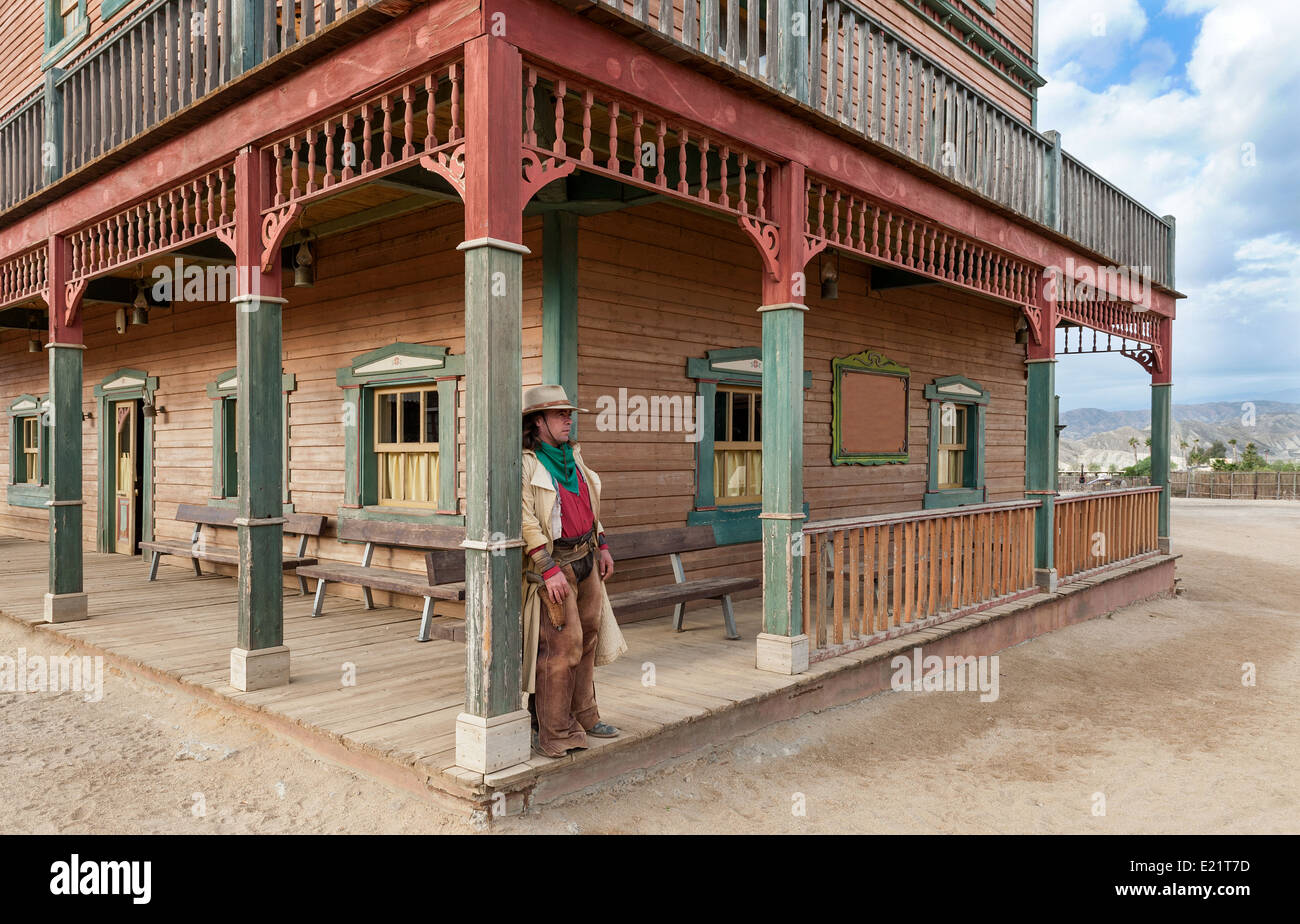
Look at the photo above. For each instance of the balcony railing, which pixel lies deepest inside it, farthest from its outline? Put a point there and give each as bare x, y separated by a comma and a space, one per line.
1097, 530
867, 579
151, 65
853, 69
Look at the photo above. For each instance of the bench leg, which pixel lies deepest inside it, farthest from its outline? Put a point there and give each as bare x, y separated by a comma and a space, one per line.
302, 585
729, 618
153, 566
320, 597
426, 621
370, 601
679, 617
197, 569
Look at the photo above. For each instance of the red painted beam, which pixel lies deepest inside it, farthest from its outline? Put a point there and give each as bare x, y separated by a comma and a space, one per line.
571, 42
493, 140
403, 45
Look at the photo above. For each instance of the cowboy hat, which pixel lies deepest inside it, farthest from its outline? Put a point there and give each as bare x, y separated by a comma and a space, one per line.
548, 398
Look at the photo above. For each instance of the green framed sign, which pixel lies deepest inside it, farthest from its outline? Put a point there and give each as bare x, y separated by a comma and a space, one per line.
869, 409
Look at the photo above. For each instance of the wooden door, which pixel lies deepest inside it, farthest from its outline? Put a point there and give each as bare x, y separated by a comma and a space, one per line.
126, 488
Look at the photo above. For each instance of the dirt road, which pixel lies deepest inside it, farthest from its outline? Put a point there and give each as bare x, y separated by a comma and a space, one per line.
1142, 715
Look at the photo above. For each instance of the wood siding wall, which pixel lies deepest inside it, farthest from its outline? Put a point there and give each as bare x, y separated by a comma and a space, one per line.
657, 286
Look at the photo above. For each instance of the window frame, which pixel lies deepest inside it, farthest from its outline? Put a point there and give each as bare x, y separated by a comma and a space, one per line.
225, 446
409, 366
403, 446
974, 399
26, 493
743, 366
57, 48
745, 446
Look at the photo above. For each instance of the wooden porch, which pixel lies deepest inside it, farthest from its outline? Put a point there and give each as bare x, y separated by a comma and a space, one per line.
672, 694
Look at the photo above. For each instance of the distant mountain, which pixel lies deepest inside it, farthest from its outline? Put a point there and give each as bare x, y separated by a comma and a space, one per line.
1097, 439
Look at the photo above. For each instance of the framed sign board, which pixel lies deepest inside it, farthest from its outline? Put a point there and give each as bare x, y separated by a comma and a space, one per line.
869, 396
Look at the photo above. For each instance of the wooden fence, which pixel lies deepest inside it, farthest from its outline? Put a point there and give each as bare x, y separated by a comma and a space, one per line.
1236, 485
1096, 530
870, 578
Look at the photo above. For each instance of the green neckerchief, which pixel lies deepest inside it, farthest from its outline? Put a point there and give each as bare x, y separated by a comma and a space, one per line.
559, 462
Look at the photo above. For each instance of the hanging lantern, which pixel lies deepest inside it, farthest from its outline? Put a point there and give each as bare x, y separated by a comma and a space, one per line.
140, 307
304, 270
830, 276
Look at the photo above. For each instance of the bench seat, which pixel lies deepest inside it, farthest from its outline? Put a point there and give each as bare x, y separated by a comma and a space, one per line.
218, 556
398, 582
646, 598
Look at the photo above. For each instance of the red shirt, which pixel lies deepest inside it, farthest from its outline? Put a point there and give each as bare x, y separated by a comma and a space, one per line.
576, 517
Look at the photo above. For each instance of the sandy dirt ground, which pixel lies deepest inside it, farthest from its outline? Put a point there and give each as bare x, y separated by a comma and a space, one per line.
1142, 713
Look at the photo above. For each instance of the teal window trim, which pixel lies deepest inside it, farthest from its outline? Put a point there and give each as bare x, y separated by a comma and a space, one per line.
122, 385
392, 366
110, 7
957, 389
23, 493
225, 451
56, 43
872, 363
732, 523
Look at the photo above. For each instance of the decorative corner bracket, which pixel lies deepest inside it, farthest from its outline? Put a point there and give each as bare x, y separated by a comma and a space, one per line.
450, 167
767, 241
1151, 359
1034, 316
811, 247
275, 225
72, 294
226, 235
538, 172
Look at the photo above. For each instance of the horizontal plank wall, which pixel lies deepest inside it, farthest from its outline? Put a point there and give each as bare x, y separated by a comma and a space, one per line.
658, 284
400, 280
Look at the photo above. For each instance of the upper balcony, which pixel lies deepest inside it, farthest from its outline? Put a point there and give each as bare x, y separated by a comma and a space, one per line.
170, 63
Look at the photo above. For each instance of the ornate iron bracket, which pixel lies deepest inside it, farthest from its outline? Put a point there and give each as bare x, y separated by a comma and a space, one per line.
275, 225
538, 172
450, 167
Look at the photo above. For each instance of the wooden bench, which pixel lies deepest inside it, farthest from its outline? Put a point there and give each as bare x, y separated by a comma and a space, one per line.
444, 577
302, 525
672, 542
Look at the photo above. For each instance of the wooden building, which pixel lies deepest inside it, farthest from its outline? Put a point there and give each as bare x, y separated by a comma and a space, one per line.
809, 265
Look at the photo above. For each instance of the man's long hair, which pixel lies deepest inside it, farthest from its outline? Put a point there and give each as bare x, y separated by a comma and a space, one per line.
530, 437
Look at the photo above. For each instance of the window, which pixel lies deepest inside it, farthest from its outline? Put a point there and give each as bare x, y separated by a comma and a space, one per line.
406, 446
956, 455
729, 454
65, 25
29, 439
225, 437
399, 434
737, 445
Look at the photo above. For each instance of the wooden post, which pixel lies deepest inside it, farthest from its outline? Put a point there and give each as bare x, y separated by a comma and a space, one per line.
1052, 185
247, 34
66, 600
794, 34
1169, 281
52, 144
1161, 397
493, 732
259, 658
1040, 465
782, 647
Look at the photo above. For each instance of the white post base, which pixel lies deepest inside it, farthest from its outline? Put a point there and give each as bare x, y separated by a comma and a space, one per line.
259, 669
1045, 578
66, 607
486, 745
782, 654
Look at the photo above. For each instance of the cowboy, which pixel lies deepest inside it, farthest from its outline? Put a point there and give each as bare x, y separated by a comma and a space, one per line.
566, 563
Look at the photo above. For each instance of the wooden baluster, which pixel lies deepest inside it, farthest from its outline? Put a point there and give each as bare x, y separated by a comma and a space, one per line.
386, 105
328, 138
837, 575
408, 122
530, 107
367, 132
682, 186
806, 567
835, 218
723, 156
430, 112
585, 155
560, 147
661, 179
760, 187
909, 573
454, 74
742, 162
612, 162
638, 119
703, 145
276, 156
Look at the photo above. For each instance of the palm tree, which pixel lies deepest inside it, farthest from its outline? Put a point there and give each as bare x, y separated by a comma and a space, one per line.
1233, 444
1133, 444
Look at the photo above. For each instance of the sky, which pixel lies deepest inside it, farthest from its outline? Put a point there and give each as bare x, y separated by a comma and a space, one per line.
1193, 108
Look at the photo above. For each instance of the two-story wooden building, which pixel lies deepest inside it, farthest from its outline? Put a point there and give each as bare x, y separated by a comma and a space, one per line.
811, 264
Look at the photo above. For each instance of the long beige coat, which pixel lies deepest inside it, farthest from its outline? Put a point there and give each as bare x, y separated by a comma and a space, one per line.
541, 525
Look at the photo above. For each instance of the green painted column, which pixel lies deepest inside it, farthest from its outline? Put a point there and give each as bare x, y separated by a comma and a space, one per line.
1040, 465
782, 515
493, 462
259, 422
1161, 395
66, 599
560, 302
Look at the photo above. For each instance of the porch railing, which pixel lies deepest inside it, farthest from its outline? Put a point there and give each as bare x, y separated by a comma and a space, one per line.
151, 65
863, 75
867, 579
1097, 530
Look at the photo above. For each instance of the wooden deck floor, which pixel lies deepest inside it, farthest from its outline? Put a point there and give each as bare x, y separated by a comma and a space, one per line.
398, 721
